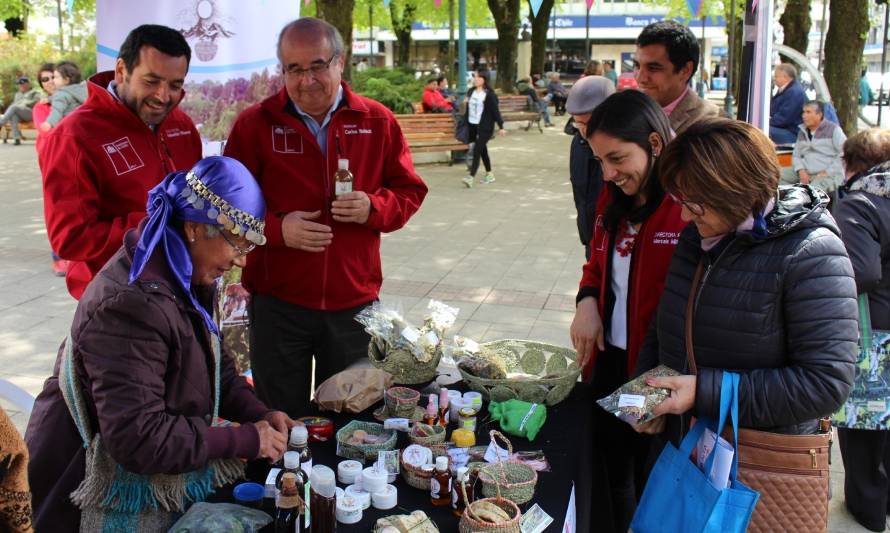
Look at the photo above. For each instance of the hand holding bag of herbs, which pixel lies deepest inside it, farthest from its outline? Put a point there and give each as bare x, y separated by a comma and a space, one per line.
633, 402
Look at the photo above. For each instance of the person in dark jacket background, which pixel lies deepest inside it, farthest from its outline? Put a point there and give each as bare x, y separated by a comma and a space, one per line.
786, 106
777, 299
144, 366
482, 114
863, 216
585, 172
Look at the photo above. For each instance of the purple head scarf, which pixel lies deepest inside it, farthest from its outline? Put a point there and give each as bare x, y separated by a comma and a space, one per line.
217, 190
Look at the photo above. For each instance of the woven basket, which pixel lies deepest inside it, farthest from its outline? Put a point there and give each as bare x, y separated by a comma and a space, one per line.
512, 480
541, 359
404, 367
401, 401
471, 523
415, 476
363, 452
437, 437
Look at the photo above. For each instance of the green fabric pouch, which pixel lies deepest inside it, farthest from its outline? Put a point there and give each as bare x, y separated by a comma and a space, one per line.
518, 418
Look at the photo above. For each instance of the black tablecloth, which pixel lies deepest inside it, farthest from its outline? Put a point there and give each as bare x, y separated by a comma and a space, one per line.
565, 440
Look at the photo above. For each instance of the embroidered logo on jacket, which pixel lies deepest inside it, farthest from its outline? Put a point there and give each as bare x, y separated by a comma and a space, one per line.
666, 237
123, 156
286, 140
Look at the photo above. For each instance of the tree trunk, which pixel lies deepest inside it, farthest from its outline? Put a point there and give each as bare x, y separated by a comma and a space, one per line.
735, 47
339, 14
506, 20
844, 43
401, 26
795, 21
540, 25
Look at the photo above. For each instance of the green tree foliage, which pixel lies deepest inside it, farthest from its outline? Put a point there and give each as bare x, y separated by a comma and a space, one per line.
395, 88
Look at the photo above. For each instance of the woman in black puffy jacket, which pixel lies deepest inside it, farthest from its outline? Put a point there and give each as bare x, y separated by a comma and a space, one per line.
777, 299
863, 214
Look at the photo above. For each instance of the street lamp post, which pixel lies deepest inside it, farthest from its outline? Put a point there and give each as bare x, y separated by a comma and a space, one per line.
727, 102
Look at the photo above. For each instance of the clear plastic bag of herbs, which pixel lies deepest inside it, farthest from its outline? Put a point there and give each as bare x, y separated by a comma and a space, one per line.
633, 402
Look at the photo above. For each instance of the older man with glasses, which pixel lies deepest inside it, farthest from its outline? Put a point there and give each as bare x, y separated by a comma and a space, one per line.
322, 262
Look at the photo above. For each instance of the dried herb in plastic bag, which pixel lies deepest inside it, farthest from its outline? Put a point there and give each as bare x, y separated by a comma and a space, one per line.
633, 402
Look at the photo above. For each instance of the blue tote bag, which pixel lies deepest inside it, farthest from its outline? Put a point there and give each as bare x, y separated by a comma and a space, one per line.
678, 496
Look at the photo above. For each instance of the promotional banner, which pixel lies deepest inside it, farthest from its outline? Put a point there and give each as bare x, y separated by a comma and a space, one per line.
229, 39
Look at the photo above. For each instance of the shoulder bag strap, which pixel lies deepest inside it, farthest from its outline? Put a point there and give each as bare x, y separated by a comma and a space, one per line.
690, 312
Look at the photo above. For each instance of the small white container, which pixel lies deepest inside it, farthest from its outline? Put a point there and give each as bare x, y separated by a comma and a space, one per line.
349, 511
348, 472
360, 495
386, 498
475, 399
374, 480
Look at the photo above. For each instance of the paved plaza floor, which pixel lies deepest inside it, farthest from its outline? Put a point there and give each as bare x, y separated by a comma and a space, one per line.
506, 254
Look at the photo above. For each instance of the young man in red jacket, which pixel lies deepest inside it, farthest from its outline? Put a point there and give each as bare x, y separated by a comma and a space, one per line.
100, 162
322, 262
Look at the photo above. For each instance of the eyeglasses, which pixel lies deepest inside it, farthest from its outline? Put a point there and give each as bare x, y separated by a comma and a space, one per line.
44, 80
315, 70
695, 208
241, 251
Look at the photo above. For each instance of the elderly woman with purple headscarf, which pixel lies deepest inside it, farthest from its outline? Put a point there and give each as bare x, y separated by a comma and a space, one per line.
126, 433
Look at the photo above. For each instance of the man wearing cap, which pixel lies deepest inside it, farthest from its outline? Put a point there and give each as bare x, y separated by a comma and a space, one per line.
585, 172
666, 59
20, 109
100, 162
322, 263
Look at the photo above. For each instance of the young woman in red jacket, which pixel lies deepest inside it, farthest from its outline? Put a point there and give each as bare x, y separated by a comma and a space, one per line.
635, 232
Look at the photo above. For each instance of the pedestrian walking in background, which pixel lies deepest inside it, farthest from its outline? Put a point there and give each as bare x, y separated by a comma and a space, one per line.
634, 236
482, 114
594, 68
760, 285
609, 72
585, 171
70, 92
866, 95
863, 216
21, 108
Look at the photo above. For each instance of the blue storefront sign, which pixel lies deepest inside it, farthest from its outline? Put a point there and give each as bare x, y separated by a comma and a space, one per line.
603, 21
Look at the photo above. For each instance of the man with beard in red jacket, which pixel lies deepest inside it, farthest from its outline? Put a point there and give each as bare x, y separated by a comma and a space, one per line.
322, 262
99, 163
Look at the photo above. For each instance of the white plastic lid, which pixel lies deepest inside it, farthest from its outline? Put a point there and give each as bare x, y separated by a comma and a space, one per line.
323, 481
462, 473
343, 164
292, 460
442, 463
299, 435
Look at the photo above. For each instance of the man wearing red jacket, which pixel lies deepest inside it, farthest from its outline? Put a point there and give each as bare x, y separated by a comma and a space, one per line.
100, 162
322, 262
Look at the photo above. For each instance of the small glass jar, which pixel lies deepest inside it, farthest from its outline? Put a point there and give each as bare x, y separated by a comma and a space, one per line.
467, 418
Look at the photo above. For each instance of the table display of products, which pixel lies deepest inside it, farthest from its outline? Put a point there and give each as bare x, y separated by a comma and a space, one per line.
404, 480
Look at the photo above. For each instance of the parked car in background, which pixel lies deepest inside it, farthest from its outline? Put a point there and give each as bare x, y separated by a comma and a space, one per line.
627, 80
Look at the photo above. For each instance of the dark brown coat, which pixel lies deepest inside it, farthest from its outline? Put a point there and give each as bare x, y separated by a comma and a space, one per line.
145, 360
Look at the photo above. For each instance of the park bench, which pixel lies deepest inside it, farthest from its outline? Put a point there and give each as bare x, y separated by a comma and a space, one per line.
519, 108
7, 130
430, 132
